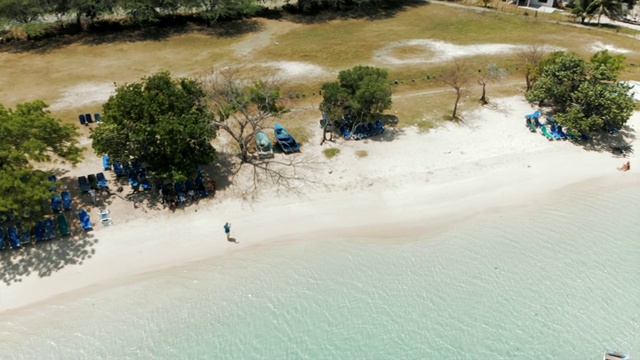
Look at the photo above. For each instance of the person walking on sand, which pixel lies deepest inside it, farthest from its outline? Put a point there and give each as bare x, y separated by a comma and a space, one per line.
227, 230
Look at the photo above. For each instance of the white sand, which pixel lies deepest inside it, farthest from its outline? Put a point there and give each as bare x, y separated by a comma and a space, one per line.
409, 181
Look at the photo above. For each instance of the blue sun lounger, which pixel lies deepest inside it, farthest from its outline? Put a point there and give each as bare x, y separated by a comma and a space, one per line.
88, 117
202, 190
66, 200
345, 133
117, 168
557, 133
106, 165
102, 181
545, 132
49, 230
380, 127
56, 203
53, 179
14, 239
561, 132
133, 179
85, 220
179, 189
38, 231
25, 235
536, 114
2, 244
83, 119
97, 117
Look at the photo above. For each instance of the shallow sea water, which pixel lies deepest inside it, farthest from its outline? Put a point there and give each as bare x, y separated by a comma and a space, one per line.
556, 281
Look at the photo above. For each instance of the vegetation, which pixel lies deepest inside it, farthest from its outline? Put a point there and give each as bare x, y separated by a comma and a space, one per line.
587, 9
30, 134
331, 152
457, 76
359, 94
161, 122
244, 107
586, 95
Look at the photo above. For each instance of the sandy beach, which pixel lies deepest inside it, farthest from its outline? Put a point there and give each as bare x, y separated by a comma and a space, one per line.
408, 183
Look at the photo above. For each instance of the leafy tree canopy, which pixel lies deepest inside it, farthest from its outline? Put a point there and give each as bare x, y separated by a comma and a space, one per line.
359, 94
586, 95
30, 134
161, 122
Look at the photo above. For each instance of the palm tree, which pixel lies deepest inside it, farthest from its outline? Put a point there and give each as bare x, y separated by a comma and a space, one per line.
611, 8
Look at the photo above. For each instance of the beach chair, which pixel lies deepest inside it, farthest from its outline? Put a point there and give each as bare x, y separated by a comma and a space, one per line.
180, 194
49, 230
137, 167
93, 181
133, 180
25, 235
561, 132
105, 218
545, 132
97, 118
88, 117
554, 132
83, 183
66, 200
106, 165
102, 181
536, 114
83, 119
199, 184
380, 127
345, 133
126, 167
54, 181
14, 239
85, 220
38, 231
2, 243
56, 203
145, 184
117, 168
63, 225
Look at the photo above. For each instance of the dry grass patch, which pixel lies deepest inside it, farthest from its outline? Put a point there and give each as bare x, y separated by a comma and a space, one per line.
362, 153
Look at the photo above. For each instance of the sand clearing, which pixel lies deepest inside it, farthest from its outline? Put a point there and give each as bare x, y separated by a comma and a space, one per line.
84, 94
408, 185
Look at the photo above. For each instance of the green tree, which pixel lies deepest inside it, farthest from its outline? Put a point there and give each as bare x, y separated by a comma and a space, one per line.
359, 94
24, 11
30, 134
225, 9
162, 122
586, 96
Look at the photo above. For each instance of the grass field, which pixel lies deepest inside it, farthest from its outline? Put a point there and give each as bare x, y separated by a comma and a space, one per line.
420, 98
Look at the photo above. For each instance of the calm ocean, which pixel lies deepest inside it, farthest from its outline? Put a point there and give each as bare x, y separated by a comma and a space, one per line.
555, 281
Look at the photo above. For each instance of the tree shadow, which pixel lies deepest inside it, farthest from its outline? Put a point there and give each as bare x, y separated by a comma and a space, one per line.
292, 13
113, 32
48, 257
617, 143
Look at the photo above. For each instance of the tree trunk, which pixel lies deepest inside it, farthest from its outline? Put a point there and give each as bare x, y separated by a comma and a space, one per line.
527, 79
455, 106
79, 20
483, 98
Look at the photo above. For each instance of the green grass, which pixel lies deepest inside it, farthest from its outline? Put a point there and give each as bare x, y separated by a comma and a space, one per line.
334, 45
331, 152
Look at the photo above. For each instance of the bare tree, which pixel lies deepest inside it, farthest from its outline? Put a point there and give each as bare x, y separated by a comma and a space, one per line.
242, 106
457, 77
531, 57
493, 73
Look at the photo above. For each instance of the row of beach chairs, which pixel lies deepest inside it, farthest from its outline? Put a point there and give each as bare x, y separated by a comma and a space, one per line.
47, 229
362, 131
86, 119
553, 131
92, 181
61, 202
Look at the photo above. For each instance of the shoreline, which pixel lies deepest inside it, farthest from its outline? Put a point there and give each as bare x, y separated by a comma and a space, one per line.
379, 197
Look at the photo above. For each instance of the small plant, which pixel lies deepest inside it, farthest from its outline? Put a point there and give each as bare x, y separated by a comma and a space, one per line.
331, 152
362, 153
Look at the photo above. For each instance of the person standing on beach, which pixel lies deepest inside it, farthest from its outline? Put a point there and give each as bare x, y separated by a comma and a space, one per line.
227, 230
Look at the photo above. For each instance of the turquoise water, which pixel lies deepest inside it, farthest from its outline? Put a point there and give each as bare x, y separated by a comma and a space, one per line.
558, 281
